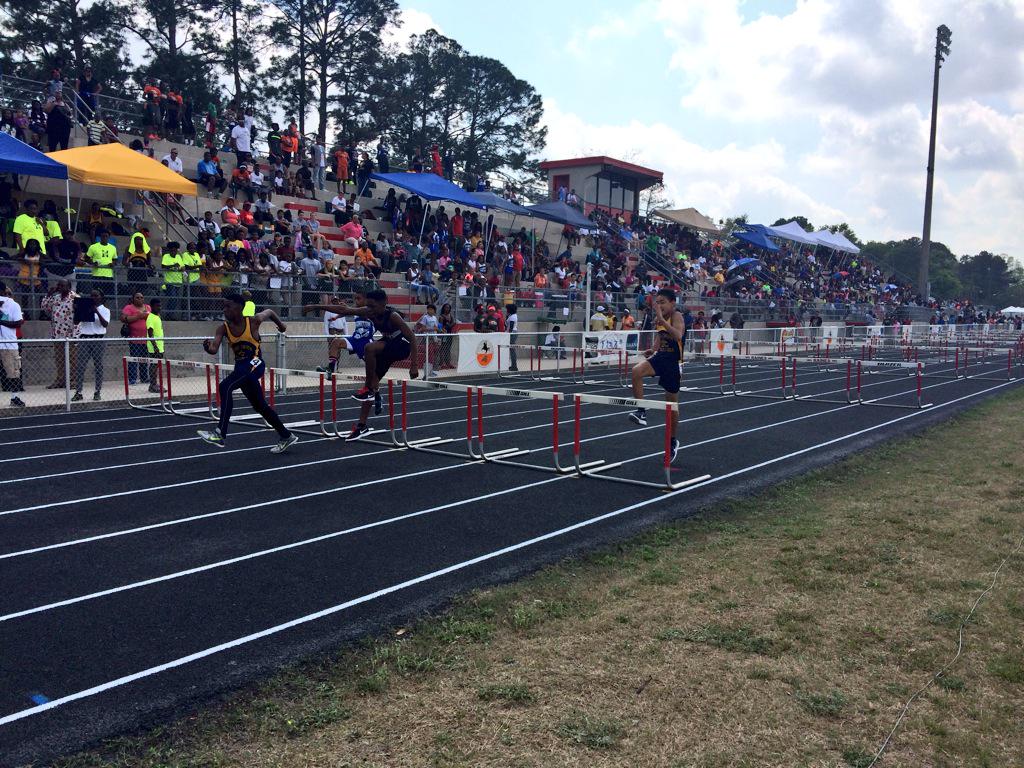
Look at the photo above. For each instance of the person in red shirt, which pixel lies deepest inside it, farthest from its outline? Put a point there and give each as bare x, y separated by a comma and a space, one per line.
435, 160
517, 264
457, 223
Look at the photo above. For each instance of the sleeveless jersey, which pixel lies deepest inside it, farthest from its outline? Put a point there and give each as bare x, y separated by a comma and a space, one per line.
388, 329
667, 344
246, 345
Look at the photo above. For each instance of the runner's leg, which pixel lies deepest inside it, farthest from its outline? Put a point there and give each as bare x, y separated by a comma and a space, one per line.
227, 387
253, 392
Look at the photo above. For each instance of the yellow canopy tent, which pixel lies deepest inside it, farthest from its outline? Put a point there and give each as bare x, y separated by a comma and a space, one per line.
114, 165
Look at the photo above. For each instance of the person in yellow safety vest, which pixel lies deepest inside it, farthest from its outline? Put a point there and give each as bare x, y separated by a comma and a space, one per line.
155, 345
249, 308
101, 256
172, 266
191, 262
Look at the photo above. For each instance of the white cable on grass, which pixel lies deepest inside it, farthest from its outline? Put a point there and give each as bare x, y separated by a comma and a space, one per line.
951, 662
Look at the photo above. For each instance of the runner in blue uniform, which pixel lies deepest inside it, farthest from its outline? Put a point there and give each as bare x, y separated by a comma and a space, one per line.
663, 359
397, 342
243, 335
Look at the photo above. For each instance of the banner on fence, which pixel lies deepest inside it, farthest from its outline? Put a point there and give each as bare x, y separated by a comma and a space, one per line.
829, 334
608, 344
723, 341
875, 331
478, 352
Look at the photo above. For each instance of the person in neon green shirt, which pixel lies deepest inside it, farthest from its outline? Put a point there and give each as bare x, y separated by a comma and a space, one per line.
102, 256
192, 263
28, 226
249, 308
172, 265
155, 345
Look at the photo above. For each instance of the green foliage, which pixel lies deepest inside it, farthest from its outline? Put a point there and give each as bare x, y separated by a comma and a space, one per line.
477, 112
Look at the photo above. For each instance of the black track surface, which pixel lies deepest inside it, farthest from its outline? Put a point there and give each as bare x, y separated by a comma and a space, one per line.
126, 545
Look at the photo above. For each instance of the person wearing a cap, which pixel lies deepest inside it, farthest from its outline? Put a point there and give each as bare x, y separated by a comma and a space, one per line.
599, 320
173, 161
241, 180
210, 175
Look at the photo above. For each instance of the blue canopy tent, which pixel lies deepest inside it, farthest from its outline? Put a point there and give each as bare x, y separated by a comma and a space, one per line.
429, 186
493, 200
757, 234
18, 157
561, 213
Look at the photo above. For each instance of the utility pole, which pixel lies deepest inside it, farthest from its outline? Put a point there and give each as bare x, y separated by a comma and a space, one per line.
943, 36
302, 70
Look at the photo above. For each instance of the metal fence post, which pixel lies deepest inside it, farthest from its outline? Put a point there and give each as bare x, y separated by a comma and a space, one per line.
282, 360
67, 374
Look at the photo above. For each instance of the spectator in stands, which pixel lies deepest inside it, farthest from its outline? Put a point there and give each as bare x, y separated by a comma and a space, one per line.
319, 163
309, 268
59, 304
173, 161
338, 207
383, 155
91, 347
101, 256
229, 213
446, 325
352, 232
11, 319
96, 130
58, 122
211, 176
599, 320
241, 180
241, 143
366, 167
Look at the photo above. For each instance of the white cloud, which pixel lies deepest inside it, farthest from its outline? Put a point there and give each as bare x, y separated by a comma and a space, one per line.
837, 94
720, 181
412, 22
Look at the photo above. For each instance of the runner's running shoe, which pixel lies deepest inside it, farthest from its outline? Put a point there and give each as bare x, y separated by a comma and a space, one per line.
358, 431
285, 444
212, 437
364, 395
639, 416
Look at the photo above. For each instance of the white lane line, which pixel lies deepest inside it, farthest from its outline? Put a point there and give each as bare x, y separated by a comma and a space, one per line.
403, 517
269, 631
427, 426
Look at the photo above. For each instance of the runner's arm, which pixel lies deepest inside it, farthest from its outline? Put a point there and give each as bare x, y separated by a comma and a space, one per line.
271, 315
213, 345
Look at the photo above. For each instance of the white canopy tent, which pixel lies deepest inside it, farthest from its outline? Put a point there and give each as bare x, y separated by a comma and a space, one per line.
793, 232
1014, 311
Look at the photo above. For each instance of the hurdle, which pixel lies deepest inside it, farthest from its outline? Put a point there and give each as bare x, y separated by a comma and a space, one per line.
589, 470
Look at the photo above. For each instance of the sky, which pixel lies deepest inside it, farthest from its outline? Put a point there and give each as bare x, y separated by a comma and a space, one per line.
778, 108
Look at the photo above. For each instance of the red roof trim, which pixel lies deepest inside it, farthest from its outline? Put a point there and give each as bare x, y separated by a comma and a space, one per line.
602, 160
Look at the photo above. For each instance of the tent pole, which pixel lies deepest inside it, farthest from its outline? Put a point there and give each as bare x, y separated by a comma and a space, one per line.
78, 208
67, 197
586, 311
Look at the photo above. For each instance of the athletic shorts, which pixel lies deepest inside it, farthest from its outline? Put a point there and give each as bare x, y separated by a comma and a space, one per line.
395, 349
666, 367
357, 345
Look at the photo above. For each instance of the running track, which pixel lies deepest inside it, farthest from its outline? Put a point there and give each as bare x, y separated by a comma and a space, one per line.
144, 572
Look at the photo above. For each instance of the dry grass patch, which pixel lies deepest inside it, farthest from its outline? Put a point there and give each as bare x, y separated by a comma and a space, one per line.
784, 629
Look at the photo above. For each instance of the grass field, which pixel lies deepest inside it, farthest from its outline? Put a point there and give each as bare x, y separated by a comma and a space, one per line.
785, 629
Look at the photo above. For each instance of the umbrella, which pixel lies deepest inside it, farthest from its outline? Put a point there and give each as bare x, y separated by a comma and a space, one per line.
740, 263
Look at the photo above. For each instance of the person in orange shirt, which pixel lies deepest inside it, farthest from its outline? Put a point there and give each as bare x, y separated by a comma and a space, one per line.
628, 321
289, 146
365, 257
341, 168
